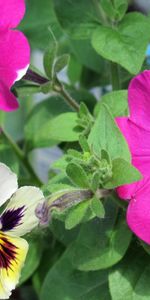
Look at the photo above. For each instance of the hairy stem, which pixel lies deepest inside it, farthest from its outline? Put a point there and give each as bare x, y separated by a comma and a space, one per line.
59, 88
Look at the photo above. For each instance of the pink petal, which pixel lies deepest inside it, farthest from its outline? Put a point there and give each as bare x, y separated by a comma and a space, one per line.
138, 140
139, 99
15, 55
137, 137
11, 12
8, 101
138, 213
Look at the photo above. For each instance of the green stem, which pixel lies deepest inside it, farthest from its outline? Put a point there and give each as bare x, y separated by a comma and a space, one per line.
115, 78
59, 88
20, 154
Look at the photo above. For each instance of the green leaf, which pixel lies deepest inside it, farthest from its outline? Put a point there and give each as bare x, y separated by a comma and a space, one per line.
130, 279
84, 143
50, 256
86, 55
101, 243
95, 181
8, 157
77, 175
49, 58
66, 237
65, 283
125, 45
39, 17
78, 214
123, 173
116, 9
106, 135
61, 128
61, 63
74, 70
116, 101
32, 261
39, 120
77, 18
97, 207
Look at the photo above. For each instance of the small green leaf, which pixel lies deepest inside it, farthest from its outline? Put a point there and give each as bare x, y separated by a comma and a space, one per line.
95, 181
84, 143
61, 63
49, 58
77, 175
123, 173
76, 215
106, 135
97, 207
83, 112
115, 10
105, 156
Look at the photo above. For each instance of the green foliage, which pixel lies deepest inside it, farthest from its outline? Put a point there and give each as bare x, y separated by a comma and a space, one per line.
36, 22
123, 172
79, 214
130, 279
84, 54
64, 281
114, 10
33, 259
49, 58
116, 101
106, 135
97, 207
77, 175
76, 17
101, 243
126, 39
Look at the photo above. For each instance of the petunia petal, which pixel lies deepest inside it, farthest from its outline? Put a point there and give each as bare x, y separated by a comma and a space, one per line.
11, 13
137, 137
13, 252
15, 56
139, 99
8, 101
19, 216
138, 213
8, 183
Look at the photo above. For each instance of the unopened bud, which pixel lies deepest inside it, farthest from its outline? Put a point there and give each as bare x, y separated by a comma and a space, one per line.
42, 212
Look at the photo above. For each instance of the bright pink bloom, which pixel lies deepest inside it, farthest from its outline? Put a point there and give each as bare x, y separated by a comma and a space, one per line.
14, 51
136, 129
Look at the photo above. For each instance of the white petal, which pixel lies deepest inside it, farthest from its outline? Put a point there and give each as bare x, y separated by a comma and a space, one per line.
8, 183
21, 73
26, 198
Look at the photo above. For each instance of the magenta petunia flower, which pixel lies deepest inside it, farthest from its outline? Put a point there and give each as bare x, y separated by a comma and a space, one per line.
136, 129
14, 50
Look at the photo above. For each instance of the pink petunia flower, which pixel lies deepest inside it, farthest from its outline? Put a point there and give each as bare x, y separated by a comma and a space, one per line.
14, 51
136, 130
